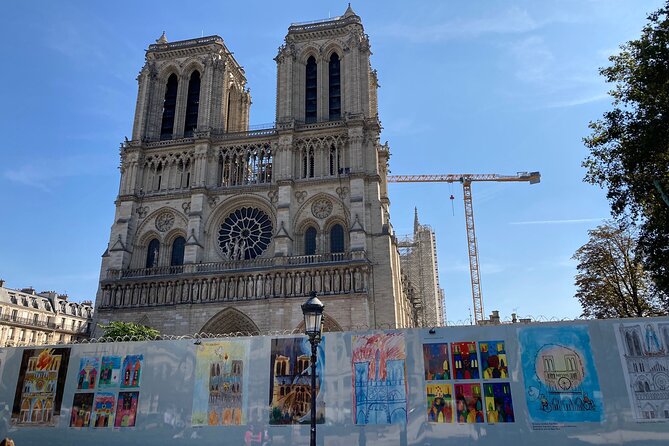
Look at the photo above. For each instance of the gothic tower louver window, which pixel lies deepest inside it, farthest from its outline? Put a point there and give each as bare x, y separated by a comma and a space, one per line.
192, 104
169, 107
337, 239
334, 87
311, 91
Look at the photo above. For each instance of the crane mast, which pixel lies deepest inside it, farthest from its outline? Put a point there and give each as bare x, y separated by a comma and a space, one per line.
472, 247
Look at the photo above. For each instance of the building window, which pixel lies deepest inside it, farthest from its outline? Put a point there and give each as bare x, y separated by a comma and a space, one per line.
15, 314
334, 87
310, 241
178, 247
152, 253
169, 107
35, 319
337, 239
311, 91
192, 104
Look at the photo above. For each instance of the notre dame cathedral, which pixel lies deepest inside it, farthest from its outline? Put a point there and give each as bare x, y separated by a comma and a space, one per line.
220, 228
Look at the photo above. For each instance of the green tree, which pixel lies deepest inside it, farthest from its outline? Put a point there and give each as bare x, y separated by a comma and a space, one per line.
629, 145
611, 280
137, 332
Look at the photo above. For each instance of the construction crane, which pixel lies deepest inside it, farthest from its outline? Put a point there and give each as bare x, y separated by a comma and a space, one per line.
467, 179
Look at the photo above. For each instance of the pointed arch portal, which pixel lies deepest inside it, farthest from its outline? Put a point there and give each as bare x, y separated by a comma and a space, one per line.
230, 320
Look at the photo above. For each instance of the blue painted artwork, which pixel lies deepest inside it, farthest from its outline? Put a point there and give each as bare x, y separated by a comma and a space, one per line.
560, 377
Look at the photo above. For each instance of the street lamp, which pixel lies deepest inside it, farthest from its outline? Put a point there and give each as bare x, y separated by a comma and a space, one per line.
313, 319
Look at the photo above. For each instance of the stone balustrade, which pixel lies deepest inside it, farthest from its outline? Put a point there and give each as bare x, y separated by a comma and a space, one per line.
326, 274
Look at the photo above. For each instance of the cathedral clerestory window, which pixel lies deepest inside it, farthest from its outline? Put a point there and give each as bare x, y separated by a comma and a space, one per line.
245, 234
152, 253
178, 248
192, 104
337, 239
310, 241
311, 91
334, 87
169, 107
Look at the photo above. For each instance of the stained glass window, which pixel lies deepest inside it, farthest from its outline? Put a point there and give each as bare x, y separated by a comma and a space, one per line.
245, 234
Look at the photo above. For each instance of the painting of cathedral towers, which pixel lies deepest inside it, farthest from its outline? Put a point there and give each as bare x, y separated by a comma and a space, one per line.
644, 352
219, 396
290, 381
379, 379
39, 392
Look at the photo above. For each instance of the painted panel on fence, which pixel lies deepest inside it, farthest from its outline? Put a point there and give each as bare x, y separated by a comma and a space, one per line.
39, 391
439, 403
561, 381
110, 372
468, 403
290, 381
89, 368
126, 409
379, 378
221, 376
103, 409
465, 360
82, 406
132, 371
644, 354
435, 360
498, 403
493, 360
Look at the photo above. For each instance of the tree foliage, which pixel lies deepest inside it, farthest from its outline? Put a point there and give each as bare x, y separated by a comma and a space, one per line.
611, 280
137, 332
629, 145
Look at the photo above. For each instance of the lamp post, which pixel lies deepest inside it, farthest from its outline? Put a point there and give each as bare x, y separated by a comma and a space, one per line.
313, 319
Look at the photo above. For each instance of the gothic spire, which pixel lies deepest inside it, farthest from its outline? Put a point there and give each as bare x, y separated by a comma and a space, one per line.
416, 224
349, 11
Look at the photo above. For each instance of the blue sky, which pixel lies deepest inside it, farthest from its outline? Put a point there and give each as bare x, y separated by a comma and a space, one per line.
482, 87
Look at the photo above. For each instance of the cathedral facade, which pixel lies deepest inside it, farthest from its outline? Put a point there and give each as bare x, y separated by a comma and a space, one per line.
220, 228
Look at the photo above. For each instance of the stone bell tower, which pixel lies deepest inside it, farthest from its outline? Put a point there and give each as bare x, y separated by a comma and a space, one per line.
219, 228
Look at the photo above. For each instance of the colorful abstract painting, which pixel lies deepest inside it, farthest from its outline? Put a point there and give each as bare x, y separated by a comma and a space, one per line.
498, 403
561, 381
644, 354
221, 377
39, 391
110, 372
126, 409
89, 369
82, 406
493, 360
290, 381
379, 379
131, 371
439, 403
103, 409
436, 362
465, 360
468, 403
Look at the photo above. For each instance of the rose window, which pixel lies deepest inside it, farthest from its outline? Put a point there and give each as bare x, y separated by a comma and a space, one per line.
245, 234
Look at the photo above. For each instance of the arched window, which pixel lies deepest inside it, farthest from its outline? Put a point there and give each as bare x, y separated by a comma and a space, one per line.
335, 161
152, 253
178, 247
334, 87
169, 107
311, 91
192, 104
310, 241
337, 239
312, 163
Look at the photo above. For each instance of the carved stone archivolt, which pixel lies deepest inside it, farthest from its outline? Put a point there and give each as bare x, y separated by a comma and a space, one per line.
321, 208
165, 221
